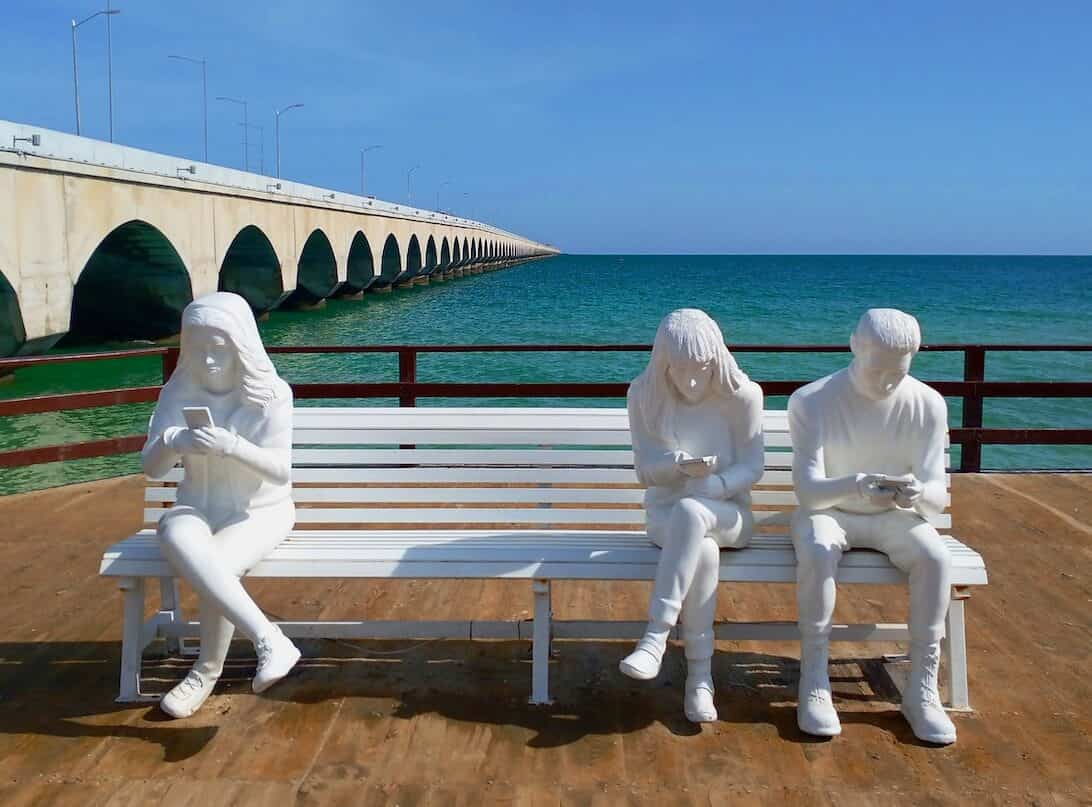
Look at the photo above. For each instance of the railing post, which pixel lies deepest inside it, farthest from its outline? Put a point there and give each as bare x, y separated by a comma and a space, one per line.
407, 374
170, 361
974, 369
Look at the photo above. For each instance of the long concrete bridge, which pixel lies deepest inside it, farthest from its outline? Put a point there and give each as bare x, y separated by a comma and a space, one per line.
102, 242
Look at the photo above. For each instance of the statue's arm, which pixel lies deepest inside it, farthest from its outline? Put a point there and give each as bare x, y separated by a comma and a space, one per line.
814, 489
929, 469
654, 465
743, 474
157, 457
272, 460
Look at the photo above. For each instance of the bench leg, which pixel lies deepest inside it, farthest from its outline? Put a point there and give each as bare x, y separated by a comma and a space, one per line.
540, 647
170, 611
132, 639
955, 653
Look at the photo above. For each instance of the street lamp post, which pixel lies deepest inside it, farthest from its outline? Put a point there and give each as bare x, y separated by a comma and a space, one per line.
107, 12
261, 144
445, 182
409, 187
277, 132
363, 151
246, 128
204, 96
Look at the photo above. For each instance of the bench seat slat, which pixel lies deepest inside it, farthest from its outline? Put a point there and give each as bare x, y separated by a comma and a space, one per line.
439, 553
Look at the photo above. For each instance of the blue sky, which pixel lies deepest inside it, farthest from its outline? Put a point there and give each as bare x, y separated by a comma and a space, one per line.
759, 127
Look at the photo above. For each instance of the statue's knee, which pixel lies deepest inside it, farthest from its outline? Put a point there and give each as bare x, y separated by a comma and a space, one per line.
815, 555
934, 554
690, 512
176, 532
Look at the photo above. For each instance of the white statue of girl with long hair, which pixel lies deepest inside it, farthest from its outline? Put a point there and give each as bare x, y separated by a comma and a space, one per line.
234, 503
696, 424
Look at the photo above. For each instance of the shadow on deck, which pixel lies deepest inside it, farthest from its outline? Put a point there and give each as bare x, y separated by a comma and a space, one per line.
447, 722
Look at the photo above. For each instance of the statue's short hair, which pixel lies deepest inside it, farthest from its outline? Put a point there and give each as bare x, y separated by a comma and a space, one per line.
888, 328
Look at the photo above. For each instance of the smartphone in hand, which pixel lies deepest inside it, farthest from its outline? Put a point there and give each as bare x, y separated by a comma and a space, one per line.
197, 417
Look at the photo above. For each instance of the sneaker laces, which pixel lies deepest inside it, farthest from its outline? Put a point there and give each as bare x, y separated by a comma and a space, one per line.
264, 650
930, 665
193, 682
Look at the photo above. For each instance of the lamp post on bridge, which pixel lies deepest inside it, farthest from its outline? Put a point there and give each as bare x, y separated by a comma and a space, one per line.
246, 128
438, 189
363, 151
261, 144
107, 12
204, 96
277, 132
409, 187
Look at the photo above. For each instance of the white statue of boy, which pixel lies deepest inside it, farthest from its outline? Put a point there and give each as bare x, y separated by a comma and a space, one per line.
868, 468
234, 504
696, 425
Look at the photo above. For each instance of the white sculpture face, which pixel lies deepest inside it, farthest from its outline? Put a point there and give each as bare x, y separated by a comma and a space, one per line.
691, 379
878, 371
214, 361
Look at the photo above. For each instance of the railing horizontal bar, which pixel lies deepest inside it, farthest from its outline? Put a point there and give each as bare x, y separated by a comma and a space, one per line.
78, 400
394, 389
29, 361
74, 451
16, 362
1035, 437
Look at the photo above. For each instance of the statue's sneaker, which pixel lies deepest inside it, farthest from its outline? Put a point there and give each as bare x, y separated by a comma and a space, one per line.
815, 713
645, 660
921, 701
188, 696
276, 657
698, 702
929, 722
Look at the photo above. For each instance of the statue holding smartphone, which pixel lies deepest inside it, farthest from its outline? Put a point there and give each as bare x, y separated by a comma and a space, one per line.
868, 468
696, 425
227, 415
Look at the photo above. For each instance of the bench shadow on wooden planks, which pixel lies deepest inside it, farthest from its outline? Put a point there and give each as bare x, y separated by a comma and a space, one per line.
471, 493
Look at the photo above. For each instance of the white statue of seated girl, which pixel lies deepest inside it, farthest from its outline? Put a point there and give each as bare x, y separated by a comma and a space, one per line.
234, 503
696, 424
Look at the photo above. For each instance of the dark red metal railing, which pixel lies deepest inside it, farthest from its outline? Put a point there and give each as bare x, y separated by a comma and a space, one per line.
973, 389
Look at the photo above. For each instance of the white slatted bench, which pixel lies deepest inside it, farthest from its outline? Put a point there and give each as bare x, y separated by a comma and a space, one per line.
535, 494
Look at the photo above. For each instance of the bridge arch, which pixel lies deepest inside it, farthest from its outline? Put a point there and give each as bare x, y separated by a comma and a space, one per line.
456, 254
13, 334
316, 272
252, 270
430, 257
360, 273
390, 265
445, 255
134, 286
413, 260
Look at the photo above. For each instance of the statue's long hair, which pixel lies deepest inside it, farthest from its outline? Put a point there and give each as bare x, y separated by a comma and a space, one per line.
258, 382
689, 335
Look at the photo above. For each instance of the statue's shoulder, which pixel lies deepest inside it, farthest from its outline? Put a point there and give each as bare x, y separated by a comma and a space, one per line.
932, 401
815, 394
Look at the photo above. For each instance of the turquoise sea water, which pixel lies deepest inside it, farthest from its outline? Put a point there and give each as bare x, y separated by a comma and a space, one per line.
621, 299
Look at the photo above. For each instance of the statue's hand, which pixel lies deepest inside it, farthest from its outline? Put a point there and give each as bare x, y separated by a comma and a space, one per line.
184, 441
877, 489
910, 489
214, 440
696, 467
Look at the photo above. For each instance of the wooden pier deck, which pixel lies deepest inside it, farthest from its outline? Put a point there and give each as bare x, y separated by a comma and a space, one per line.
447, 722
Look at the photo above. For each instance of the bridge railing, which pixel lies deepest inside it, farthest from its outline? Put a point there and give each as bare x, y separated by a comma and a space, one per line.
970, 435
